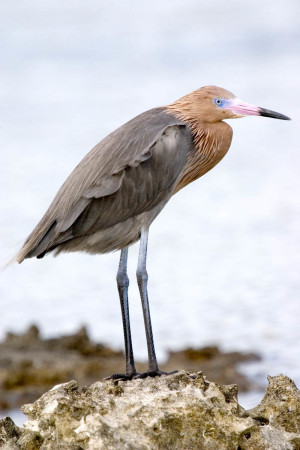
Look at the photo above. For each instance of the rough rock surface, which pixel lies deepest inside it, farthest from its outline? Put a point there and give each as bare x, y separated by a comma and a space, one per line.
180, 411
30, 365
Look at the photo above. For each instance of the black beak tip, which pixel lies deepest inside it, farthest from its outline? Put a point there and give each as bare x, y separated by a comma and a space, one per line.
275, 115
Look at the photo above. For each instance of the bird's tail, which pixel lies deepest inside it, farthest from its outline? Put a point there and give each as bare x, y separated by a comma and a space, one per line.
38, 241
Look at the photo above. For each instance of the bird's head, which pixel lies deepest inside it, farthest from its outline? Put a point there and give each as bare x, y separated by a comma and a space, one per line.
212, 104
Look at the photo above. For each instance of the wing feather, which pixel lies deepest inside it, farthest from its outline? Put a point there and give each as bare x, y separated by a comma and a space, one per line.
127, 173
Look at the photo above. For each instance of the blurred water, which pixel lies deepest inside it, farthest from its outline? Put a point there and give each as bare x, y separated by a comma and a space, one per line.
224, 254
16, 415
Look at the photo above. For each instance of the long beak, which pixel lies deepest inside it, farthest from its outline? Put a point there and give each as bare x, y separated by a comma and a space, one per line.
275, 115
246, 109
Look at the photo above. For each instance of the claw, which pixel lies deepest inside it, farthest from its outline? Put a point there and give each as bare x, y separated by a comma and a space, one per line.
153, 373
121, 376
137, 375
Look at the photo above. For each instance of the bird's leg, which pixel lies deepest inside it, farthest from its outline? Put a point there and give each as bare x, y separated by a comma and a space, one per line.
142, 279
123, 283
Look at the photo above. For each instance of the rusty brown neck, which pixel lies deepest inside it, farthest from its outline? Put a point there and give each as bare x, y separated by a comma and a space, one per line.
211, 143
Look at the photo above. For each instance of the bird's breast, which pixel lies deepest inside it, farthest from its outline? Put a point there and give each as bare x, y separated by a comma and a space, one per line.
211, 142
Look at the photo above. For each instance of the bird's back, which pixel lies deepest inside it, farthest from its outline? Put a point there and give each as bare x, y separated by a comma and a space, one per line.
131, 171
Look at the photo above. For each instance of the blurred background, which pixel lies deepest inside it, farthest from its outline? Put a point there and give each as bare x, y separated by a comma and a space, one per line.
224, 254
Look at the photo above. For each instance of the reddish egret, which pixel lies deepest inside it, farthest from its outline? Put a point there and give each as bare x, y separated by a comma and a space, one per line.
111, 198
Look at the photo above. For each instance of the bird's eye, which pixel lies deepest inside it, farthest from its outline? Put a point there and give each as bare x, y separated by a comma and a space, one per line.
218, 101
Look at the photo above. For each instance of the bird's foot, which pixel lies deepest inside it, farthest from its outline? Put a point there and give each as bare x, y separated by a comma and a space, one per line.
153, 373
137, 375
121, 376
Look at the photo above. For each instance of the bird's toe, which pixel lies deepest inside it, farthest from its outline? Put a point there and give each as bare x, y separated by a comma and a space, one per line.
121, 376
153, 373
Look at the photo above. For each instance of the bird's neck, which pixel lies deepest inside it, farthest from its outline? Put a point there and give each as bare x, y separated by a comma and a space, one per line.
211, 143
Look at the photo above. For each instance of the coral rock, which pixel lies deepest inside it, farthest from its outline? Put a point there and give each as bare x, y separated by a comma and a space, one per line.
180, 411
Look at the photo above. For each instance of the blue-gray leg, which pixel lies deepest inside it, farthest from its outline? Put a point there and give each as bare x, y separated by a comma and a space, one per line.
123, 283
142, 279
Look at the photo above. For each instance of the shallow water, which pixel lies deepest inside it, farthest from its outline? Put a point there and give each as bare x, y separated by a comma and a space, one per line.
224, 253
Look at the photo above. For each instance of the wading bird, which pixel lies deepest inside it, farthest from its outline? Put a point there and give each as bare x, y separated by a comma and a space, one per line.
111, 198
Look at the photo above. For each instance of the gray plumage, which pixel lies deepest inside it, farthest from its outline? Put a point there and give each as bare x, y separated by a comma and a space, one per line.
113, 195
119, 187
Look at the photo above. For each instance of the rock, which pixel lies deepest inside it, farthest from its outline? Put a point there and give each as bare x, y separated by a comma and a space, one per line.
30, 365
179, 411
280, 407
218, 366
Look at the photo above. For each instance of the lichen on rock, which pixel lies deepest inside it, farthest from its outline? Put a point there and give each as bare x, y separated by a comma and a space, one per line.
179, 411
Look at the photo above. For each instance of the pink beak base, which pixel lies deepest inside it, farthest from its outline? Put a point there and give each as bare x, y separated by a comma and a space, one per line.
243, 108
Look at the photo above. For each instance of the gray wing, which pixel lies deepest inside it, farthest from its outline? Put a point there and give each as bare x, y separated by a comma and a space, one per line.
129, 172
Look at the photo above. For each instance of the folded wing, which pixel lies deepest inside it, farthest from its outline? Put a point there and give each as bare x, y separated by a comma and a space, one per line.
127, 173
